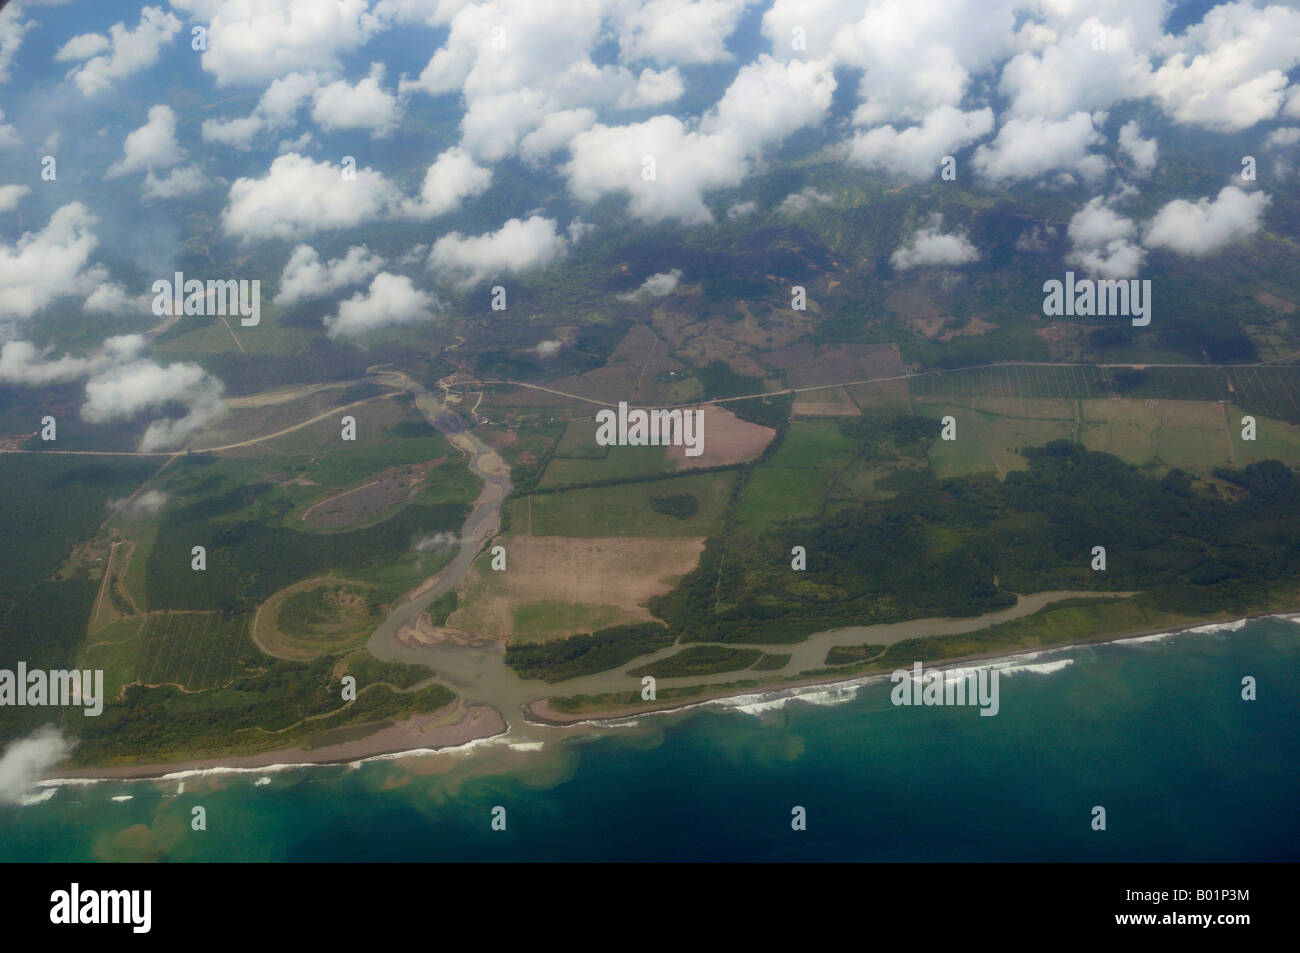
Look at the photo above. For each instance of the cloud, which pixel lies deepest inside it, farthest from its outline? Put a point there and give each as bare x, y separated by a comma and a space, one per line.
1277, 139
611, 160
49, 264
555, 132
152, 146
1073, 75
299, 197
678, 31
82, 47
518, 63
1030, 148
149, 503
913, 57
1201, 228
25, 760
516, 247
1230, 70
128, 51
12, 29
765, 103
653, 88
917, 151
1102, 242
429, 544
8, 135
276, 109
251, 42
740, 210
305, 277
453, 177
1036, 238
22, 363
931, 246
183, 181
768, 100
390, 301
110, 297
366, 105
125, 391
1141, 152
11, 195
796, 203
659, 285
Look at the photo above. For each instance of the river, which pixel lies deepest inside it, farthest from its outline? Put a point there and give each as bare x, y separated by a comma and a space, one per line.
478, 673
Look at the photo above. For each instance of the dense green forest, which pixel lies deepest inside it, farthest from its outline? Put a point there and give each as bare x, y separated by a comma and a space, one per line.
250, 560
587, 653
963, 546
257, 712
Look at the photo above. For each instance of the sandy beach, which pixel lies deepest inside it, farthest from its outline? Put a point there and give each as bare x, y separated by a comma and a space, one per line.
416, 733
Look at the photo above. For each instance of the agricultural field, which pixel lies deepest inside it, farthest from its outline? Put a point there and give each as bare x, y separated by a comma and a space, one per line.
196, 651
774, 494
386, 489
1272, 390
726, 440
1196, 436
991, 430
793, 483
625, 509
828, 402
555, 587
317, 616
618, 463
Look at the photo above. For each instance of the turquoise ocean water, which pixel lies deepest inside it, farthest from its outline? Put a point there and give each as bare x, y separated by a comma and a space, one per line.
1154, 731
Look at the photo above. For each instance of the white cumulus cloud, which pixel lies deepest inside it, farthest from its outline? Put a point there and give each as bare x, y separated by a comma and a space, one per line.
128, 390
306, 277
916, 151
659, 285
518, 246
453, 177
25, 760
152, 146
1205, 226
300, 196
126, 51
931, 246
1103, 242
391, 300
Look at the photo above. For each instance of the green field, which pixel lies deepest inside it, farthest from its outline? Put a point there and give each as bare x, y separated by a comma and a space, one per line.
625, 509
618, 464
794, 482
544, 621
774, 494
1272, 390
990, 433
194, 650
329, 618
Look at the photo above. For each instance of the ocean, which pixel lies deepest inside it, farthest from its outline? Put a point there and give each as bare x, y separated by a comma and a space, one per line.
1154, 730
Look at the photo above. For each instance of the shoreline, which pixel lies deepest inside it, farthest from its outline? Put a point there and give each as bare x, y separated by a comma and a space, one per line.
481, 722
417, 733
540, 713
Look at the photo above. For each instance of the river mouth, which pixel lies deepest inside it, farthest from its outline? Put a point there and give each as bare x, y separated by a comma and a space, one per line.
478, 673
